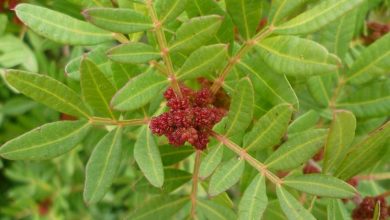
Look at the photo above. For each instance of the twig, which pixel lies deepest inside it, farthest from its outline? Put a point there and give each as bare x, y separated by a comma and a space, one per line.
195, 177
262, 168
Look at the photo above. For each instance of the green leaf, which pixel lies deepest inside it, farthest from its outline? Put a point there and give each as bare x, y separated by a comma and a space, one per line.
148, 157
246, 15
211, 161
336, 210
267, 84
163, 206
102, 166
281, 54
96, 55
14, 52
372, 100
139, 91
215, 211
320, 185
297, 150
321, 88
47, 91
304, 122
372, 62
269, 129
60, 27
274, 211
118, 19
97, 90
122, 73
254, 201
195, 8
291, 207
3, 23
195, 33
171, 155
377, 211
241, 108
226, 176
317, 17
364, 154
169, 10
133, 52
203, 61
281, 9
46, 142
341, 134
337, 35
173, 179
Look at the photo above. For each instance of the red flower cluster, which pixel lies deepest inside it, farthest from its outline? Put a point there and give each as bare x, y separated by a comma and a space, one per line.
190, 118
366, 208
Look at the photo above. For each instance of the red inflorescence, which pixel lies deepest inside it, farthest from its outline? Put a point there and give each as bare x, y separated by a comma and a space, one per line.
311, 169
366, 208
190, 118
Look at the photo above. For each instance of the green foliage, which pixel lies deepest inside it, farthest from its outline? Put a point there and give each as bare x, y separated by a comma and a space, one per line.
294, 80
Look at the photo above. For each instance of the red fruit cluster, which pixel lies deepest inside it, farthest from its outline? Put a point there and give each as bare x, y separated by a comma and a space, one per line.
189, 119
309, 168
377, 30
366, 208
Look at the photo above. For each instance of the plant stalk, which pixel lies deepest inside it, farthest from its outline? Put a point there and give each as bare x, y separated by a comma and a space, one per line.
195, 177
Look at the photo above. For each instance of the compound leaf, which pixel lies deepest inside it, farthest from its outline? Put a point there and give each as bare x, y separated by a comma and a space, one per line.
133, 52
254, 201
291, 207
168, 10
213, 210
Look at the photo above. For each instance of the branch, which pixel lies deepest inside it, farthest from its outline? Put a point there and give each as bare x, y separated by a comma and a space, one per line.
162, 42
195, 177
236, 58
262, 168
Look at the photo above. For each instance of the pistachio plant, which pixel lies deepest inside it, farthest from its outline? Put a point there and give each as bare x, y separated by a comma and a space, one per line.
276, 107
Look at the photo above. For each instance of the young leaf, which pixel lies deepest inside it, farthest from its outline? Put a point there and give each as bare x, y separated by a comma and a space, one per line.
102, 166
291, 207
372, 100
246, 15
215, 211
139, 91
195, 33
341, 134
254, 201
317, 17
133, 52
373, 61
203, 61
168, 10
148, 158
310, 59
173, 179
46, 142
118, 19
297, 150
241, 108
162, 206
97, 90
60, 27
304, 122
211, 161
320, 185
47, 91
267, 84
226, 176
364, 154
269, 129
